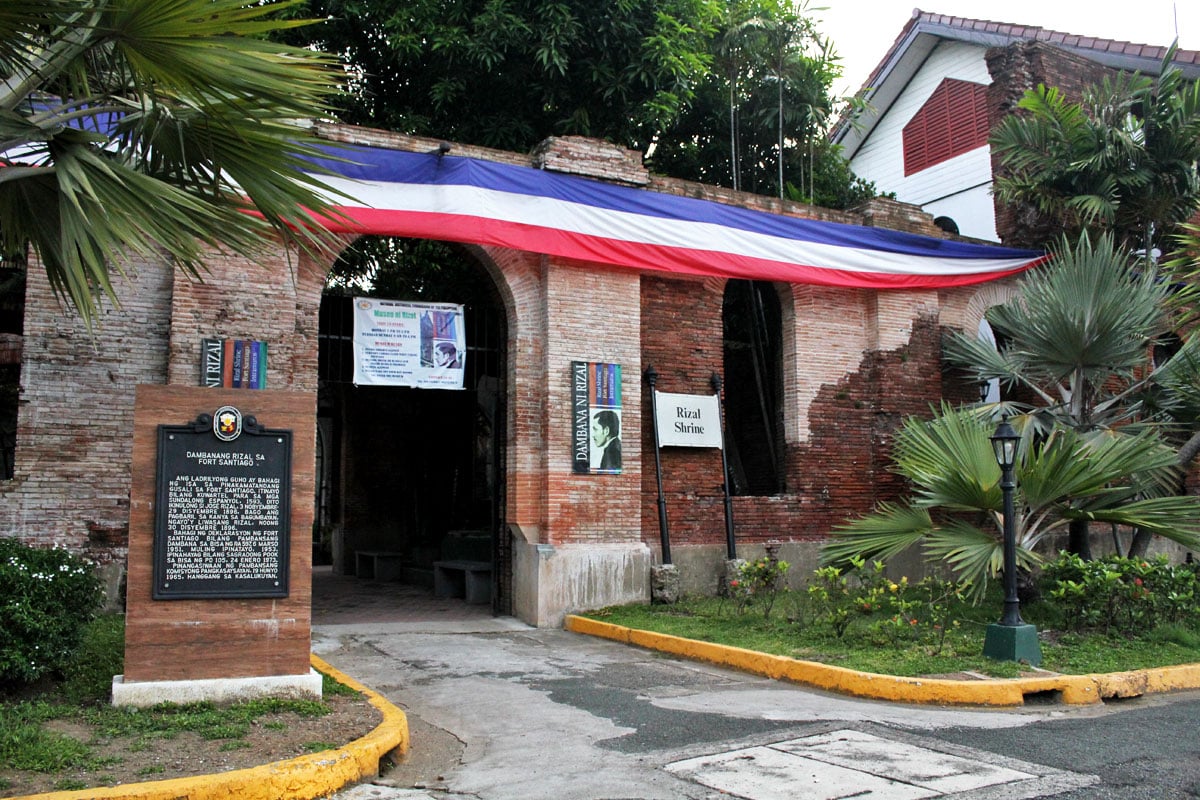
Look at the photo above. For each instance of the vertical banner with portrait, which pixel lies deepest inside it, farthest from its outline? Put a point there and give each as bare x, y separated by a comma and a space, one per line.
595, 417
408, 344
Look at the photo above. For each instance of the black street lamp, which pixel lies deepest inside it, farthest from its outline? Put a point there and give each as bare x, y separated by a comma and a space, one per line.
1010, 639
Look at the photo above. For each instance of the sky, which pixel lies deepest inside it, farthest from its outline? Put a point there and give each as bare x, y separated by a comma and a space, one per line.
863, 30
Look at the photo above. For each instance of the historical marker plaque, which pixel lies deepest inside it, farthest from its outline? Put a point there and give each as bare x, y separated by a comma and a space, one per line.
222, 516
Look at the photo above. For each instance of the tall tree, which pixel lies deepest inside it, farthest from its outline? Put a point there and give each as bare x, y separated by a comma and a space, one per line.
509, 73
758, 122
1077, 340
1123, 159
686, 82
129, 127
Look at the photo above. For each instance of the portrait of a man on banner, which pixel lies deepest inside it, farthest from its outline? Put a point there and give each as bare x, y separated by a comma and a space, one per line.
408, 344
596, 424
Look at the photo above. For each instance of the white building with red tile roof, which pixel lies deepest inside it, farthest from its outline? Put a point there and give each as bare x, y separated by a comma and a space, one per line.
932, 102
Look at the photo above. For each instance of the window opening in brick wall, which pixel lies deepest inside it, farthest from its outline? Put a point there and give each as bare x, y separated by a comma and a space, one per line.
947, 224
753, 367
12, 321
953, 121
1166, 348
420, 472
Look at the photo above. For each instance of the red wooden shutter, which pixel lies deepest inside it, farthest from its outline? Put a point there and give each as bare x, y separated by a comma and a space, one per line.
953, 121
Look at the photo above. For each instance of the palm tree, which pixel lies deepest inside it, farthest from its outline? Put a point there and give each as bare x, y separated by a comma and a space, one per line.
732, 60
787, 57
1078, 339
133, 127
1124, 159
1076, 336
955, 511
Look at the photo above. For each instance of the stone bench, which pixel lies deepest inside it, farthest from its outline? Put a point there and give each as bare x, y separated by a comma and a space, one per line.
378, 564
471, 580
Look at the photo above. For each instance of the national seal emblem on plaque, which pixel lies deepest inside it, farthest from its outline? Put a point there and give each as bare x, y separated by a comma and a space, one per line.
227, 423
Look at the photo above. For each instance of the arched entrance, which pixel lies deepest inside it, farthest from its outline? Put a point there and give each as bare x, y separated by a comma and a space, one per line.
410, 477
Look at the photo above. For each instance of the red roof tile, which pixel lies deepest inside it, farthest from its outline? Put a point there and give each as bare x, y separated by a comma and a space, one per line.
1016, 31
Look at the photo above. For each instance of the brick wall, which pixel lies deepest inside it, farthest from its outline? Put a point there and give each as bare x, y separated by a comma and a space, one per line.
854, 362
1015, 69
521, 280
681, 339
71, 483
593, 315
864, 363
578, 155
273, 297
10, 348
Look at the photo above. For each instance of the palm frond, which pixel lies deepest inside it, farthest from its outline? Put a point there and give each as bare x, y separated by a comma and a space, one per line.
156, 126
949, 461
889, 531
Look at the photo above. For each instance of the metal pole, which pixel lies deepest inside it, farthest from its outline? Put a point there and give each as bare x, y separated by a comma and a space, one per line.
652, 379
1012, 604
730, 545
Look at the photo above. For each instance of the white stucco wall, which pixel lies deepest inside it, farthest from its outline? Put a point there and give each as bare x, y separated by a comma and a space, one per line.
958, 188
972, 208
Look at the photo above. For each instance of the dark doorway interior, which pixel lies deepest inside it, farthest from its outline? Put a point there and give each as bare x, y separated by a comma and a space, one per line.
12, 319
753, 388
415, 473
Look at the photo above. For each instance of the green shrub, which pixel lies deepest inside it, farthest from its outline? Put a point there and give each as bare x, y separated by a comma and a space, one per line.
1122, 595
46, 597
87, 677
893, 613
758, 583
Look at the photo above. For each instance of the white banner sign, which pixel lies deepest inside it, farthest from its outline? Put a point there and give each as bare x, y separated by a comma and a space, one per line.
688, 420
408, 344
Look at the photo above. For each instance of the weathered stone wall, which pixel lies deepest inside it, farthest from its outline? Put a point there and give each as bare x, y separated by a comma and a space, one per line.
861, 362
855, 362
1016, 69
75, 419
273, 297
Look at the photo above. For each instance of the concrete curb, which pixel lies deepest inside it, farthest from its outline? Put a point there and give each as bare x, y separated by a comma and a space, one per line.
303, 778
1071, 689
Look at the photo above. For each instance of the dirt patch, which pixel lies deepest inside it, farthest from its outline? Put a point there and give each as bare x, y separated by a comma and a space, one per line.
272, 737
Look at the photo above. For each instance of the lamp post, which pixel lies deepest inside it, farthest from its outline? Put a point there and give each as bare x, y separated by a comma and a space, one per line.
1010, 639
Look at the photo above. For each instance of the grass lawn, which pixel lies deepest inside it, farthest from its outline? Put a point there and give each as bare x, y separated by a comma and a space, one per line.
65, 735
875, 643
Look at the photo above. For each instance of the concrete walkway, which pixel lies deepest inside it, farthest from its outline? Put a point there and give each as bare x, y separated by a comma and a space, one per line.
499, 710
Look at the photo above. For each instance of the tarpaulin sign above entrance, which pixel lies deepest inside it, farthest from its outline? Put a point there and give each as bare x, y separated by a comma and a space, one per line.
408, 344
595, 417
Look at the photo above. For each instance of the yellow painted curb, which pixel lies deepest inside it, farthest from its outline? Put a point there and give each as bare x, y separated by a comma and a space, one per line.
302, 778
1073, 689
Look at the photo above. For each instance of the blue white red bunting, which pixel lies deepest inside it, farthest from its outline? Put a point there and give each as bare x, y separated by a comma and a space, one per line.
426, 195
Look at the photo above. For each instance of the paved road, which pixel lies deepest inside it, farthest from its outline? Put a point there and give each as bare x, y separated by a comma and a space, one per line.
498, 710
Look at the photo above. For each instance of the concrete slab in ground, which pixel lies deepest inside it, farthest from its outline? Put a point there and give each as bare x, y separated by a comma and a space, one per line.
852, 763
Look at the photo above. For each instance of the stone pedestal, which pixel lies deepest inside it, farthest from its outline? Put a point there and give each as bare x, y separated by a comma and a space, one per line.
1012, 643
209, 647
664, 583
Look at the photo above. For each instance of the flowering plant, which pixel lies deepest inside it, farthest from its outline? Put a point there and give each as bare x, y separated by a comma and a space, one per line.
1116, 594
46, 597
893, 612
758, 582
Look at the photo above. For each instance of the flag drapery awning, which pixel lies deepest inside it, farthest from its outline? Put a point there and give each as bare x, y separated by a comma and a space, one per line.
437, 196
